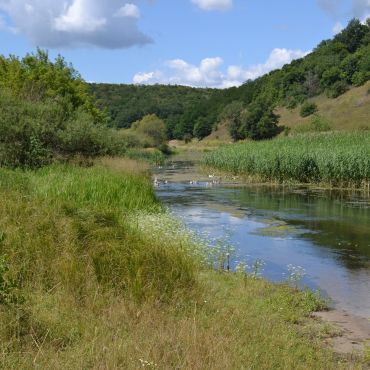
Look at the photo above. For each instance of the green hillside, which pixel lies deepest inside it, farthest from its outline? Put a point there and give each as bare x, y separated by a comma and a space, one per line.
179, 106
333, 68
350, 111
347, 112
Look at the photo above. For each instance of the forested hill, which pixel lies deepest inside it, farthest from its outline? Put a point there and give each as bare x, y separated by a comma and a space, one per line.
332, 68
175, 104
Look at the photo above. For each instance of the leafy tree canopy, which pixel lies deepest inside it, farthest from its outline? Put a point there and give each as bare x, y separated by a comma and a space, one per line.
332, 68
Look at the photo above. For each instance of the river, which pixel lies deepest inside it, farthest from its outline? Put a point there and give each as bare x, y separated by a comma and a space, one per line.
327, 233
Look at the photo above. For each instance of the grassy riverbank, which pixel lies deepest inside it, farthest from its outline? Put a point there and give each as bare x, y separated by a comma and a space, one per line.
94, 274
333, 159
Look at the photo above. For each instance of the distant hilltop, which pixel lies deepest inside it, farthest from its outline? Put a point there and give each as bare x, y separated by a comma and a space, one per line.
311, 85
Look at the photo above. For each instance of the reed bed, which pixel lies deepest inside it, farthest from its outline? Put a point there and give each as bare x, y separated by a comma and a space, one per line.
332, 159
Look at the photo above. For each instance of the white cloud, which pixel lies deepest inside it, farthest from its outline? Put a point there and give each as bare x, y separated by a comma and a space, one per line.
145, 78
358, 8
128, 10
76, 18
338, 27
330, 6
213, 4
70, 23
209, 72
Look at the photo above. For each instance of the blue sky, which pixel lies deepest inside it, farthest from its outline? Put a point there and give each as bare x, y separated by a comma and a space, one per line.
217, 43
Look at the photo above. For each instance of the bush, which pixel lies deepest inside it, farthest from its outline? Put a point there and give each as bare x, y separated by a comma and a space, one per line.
187, 138
202, 128
152, 130
260, 121
337, 89
320, 124
308, 108
27, 131
359, 78
31, 133
45, 111
291, 103
231, 114
82, 136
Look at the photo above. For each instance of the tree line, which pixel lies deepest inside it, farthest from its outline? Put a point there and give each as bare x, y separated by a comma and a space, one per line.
46, 112
332, 68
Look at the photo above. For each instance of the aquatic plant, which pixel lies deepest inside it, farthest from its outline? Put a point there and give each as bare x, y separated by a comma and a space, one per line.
335, 159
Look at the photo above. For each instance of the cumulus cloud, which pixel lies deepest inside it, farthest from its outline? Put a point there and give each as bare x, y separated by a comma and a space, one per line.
128, 10
209, 72
109, 24
75, 19
361, 8
358, 8
330, 6
213, 4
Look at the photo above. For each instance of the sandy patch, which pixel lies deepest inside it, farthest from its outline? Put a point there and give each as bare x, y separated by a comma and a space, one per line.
354, 331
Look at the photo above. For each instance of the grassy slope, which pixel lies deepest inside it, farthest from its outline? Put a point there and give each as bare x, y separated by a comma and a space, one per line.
350, 111
93, 275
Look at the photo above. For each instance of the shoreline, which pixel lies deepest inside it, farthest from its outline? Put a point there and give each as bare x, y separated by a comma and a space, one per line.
354, 331
255, 180
351, 331
135, 281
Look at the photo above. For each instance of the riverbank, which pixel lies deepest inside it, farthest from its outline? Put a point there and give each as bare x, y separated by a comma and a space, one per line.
331, 160
95, 274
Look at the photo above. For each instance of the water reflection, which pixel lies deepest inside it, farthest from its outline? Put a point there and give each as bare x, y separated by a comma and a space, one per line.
326, 232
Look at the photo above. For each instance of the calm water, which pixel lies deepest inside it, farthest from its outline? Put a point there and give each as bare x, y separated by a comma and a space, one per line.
325, 232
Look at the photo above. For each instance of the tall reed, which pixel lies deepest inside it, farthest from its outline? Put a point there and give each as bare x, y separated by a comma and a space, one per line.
334, 159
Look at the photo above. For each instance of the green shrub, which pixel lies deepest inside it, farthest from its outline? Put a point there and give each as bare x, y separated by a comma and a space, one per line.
151, 130
202, 128
308, 108
81, 136
337, 89
45, 111
359, 78
319, 124
187, 138
27, 131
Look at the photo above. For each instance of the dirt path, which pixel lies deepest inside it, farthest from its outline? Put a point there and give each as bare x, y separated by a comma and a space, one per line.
354, 331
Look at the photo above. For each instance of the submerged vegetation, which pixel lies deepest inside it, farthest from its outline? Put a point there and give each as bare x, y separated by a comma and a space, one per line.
334, 159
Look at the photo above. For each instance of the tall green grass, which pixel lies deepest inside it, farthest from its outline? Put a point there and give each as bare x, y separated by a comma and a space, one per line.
94, 274
336, 159
93, 188
74, 226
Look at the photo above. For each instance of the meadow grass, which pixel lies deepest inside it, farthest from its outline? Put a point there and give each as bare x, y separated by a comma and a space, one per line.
334, 159
94, 274
348, 112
